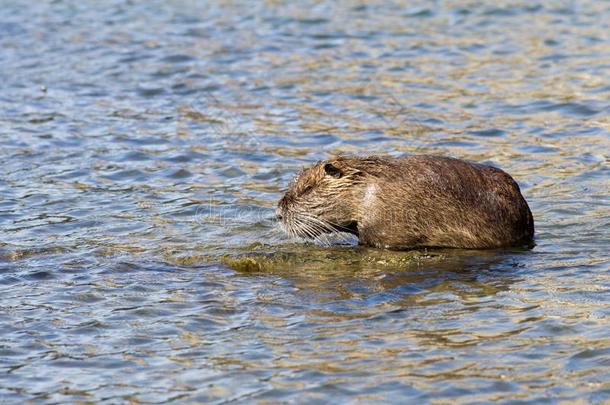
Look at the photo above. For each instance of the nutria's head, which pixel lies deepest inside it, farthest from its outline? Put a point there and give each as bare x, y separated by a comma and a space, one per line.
320, 200
324, 198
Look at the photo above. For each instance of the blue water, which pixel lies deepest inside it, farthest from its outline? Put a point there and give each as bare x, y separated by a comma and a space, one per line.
145, 145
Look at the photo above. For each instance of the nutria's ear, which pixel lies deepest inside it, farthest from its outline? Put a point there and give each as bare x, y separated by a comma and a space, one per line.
333, 171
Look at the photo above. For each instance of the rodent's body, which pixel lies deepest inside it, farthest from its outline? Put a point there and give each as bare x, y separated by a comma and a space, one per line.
408, 202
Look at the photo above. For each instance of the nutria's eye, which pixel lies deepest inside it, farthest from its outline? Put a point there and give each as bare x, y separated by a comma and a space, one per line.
307, 190
332, 170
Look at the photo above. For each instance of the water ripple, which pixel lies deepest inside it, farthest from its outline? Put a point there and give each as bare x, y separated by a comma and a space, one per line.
144, 148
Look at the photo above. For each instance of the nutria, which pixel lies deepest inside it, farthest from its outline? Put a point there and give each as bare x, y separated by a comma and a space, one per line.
408, 202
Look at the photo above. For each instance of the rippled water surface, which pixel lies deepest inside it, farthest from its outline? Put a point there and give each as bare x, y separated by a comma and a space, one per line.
144, 146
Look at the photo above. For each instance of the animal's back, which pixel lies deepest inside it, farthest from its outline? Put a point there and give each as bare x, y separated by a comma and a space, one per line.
443, 202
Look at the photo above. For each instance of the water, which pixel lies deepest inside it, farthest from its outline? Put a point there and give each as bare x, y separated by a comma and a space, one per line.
145, 144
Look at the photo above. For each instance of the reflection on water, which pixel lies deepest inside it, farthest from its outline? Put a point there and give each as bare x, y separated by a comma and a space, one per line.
144, 147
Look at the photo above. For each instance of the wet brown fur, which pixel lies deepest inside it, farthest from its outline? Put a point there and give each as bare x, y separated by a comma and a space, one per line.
408, 202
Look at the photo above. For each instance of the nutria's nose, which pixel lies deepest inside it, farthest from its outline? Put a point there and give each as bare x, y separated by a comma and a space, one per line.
278, 214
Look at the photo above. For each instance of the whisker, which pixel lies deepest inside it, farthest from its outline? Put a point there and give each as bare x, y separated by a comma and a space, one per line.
305, 226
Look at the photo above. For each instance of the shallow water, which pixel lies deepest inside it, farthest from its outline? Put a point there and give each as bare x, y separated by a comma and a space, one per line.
144, 145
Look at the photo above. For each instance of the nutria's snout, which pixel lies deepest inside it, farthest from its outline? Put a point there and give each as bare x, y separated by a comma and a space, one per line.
399, 203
